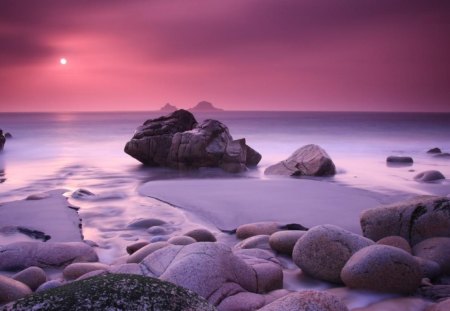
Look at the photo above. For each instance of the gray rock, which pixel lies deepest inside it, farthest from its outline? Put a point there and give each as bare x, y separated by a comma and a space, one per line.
81, 194
415, 220
396, 241
144, 223
257, 241
181, 240
75, 270
143, 252
22, 255
435, 249
136, 246
323, 251
307, 300
429, 176
33, 277
157, 230
48, 285
11, 289
201, 235
177, 141
114, 292
202, 267
91, 274
382, 268
434, 150
399, 159
309, 160
257, 228
284, 241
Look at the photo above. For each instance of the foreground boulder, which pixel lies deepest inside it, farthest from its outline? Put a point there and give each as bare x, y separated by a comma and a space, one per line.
382, 268
309, 160
22, 255
114, 292
11, 289
177, 141
415, 220
323, 251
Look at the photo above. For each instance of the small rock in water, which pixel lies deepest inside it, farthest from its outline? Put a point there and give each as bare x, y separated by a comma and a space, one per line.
159, 238
399, 159
257, 241
114, 292
143, 252
181, 240
396, 241
157, 230
309, 160
436, 249
75, 270
257, 228
38, 196
307, 300
82, 194
144, 223
48, 285
382, 268
284, 241
11, 289
201, 235
434, 150
323, 251
32, 276
429, 176
135, 247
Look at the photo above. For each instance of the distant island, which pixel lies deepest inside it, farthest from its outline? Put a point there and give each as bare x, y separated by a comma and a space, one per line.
168, 108
204, 106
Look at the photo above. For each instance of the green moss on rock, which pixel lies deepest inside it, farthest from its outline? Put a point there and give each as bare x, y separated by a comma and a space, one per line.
114, 292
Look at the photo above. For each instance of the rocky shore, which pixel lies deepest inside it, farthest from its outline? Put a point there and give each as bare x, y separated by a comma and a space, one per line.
404, 251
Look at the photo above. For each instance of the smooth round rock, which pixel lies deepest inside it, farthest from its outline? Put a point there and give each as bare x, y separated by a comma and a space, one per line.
429, 176
399, 159
11, 289
128, 268
48, 285
435, 249
144, 223
257, 228
33, 277
396, 241
75, 270
257, 241
306, 300
143, 252
323, 250
114, 292
382, 268
157, 230
136, 246
201, 235
284, 241
434, 150
181, 240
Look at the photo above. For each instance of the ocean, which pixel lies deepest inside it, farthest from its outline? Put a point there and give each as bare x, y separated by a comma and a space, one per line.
85, 150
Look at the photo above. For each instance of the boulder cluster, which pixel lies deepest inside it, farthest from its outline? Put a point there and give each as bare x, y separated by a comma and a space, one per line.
404, 250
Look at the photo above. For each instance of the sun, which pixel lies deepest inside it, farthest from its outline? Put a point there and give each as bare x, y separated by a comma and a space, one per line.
63, 61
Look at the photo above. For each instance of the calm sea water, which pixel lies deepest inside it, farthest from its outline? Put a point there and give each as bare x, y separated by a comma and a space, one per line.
85, 150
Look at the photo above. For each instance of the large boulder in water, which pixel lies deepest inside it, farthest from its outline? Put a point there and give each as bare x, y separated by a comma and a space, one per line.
415, 220
177, 141
309, 160
114, 292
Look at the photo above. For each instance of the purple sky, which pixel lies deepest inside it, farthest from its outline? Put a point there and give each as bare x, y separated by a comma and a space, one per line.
366, 55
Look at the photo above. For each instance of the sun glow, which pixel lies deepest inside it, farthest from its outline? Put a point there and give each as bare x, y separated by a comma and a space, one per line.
63, 61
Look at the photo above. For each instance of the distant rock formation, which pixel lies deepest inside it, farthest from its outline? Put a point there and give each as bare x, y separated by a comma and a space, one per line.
168, 108
204, 106
2, 140
178, 141
309, 160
